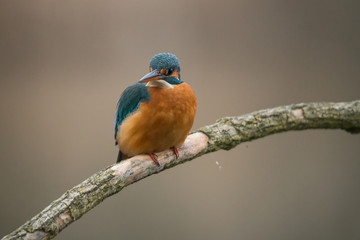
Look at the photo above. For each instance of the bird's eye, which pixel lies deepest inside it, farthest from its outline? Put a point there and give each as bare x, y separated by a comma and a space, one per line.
170, 71
164, 71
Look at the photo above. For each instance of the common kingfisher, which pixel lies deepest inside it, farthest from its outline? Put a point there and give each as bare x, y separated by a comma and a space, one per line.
155, 113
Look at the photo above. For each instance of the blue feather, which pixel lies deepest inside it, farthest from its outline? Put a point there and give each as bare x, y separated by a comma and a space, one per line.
165, 60
129, 102
173, 80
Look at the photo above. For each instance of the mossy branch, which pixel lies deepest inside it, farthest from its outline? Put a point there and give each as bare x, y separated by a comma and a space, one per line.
225, 134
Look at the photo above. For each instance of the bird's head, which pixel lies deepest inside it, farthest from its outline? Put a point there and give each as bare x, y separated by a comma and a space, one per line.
165, 67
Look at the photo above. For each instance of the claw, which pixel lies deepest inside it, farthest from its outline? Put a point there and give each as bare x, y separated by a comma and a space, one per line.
175, 151
154, 158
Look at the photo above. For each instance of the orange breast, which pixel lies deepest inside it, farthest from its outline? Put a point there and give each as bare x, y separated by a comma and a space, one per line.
161, 123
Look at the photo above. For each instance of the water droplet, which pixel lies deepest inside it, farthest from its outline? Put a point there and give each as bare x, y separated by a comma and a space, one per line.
217, 163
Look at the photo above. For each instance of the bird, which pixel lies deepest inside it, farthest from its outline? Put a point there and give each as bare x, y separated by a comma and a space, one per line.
156, 113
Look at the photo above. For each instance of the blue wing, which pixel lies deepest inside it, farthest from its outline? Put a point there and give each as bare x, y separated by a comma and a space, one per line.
129, 102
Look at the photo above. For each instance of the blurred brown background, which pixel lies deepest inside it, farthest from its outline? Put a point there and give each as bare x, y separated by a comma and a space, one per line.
64, 64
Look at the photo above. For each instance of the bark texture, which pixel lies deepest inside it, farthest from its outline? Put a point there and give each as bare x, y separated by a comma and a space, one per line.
225, 134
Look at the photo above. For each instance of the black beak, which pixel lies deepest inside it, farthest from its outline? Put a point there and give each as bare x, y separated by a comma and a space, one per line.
151, 76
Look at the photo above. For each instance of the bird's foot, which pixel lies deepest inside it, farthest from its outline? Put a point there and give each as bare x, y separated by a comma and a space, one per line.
175, 151
154, 158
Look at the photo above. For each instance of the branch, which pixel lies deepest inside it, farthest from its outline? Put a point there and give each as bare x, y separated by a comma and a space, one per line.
225, 134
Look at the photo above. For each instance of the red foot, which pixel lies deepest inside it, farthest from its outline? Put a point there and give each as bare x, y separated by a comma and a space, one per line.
154, 158
175, 151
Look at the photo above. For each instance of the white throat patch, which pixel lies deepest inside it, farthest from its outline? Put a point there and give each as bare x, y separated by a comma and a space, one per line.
159, 83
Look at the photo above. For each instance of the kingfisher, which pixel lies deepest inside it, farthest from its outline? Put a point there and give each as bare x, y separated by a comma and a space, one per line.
156, 113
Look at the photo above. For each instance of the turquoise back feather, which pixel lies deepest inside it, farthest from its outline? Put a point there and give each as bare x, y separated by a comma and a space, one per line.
129, 102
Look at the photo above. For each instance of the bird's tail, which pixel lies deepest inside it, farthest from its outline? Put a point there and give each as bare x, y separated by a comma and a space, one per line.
119, 158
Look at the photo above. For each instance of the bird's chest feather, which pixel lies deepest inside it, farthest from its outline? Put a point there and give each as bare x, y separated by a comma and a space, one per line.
171, 106
162, 122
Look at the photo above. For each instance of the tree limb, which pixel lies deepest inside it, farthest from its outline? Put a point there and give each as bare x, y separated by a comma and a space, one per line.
225, 134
